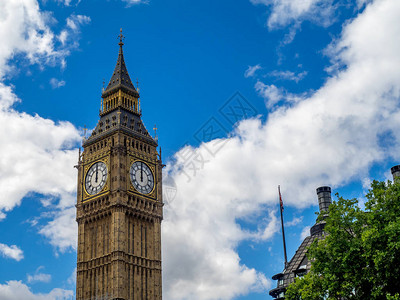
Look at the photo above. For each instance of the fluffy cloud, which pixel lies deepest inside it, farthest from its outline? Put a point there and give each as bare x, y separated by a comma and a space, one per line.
34, 143
16, 290
274, 95
328, 138
73, 26
11, 252
62, 231
25, 31
287, 12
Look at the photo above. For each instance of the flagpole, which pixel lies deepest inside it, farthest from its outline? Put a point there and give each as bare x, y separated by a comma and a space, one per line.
283, 229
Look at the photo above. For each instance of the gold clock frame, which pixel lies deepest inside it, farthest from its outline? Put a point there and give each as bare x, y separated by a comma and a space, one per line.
86, 195
131, 188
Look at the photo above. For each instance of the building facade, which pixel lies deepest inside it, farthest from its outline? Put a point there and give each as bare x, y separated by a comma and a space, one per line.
119, 200
299, 265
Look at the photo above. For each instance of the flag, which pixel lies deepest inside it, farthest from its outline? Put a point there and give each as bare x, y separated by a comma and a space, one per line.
280, 197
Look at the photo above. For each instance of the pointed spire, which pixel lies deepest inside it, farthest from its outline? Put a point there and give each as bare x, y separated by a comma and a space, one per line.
120, 78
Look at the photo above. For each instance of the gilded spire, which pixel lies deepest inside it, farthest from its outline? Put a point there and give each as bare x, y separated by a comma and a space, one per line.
120, 78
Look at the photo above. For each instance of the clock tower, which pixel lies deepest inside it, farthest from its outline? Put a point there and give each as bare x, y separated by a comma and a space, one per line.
119, 200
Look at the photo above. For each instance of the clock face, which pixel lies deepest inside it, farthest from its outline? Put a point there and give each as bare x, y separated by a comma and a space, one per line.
96, 178
141, 177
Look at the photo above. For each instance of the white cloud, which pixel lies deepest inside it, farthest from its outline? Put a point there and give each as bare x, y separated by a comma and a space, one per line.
200, 233
74, 22
361, 3
62, 231
34, 143
16, 290
269, 230
274, 95
39, 277
133, 2
68, 2
12, 251
294, 222
287, 12
288, 75
251, 70
72, 278
55, 83
25, 31
328, 138
270, 93
305, 232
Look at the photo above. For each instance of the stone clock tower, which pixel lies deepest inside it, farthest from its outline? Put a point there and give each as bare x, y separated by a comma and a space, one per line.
119, 205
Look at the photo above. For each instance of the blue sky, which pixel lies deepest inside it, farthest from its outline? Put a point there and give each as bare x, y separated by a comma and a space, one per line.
314, 89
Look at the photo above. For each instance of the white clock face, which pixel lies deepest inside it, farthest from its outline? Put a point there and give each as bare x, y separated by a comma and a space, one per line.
141, 177
96, 178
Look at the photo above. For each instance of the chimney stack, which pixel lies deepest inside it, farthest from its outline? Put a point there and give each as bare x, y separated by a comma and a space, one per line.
324, 198
395, 171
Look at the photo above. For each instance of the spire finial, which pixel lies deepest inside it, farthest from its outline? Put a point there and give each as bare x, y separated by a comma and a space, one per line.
155, 132
137, 85
121, 38
84, 132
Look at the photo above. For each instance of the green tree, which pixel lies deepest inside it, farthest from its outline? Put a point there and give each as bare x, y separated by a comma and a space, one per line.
359, 258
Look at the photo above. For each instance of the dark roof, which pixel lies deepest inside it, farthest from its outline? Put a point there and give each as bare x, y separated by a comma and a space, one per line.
120, 78
299, 260
120, 120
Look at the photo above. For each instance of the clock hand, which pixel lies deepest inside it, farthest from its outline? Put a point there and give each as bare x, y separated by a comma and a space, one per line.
97, 166
141, 171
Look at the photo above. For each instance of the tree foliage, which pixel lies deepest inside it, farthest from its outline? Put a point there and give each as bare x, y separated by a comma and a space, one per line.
359, 258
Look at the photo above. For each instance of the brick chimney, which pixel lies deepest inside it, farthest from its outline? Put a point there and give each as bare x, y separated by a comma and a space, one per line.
324, 198
395, 171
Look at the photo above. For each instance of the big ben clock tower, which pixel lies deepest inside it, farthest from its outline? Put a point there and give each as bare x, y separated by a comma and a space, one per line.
119, 200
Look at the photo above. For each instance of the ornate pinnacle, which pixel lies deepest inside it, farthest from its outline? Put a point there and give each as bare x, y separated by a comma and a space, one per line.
121, 38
